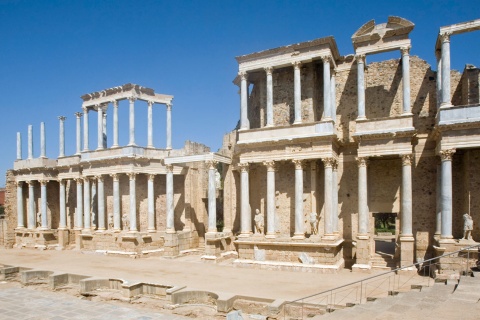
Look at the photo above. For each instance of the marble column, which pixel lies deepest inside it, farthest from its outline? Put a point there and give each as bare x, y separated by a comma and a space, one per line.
362, 196
299, 218
43, 145
297, 91
212, 197
313, 188
133, 203
86, 204
20, 213
406, 194
101, 204
115, 124
61, 137
132, 122
117, 219
151, 203
327, 104
78, 116
335, 197
333, 95
269, 71
43, 196
19, 146
169, 126
244, 123
438, 55
447, 206
30, 141
170, 211
438, 229
63, 212
406, 79
85, 129
79, 215
94, 213
445, 38
150, 124
361, 85
104, 127
270, 198
99, 127
31, 223
245, 213
328, 192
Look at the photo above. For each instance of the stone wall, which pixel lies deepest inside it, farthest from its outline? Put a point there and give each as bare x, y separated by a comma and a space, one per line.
10, 221
470, 85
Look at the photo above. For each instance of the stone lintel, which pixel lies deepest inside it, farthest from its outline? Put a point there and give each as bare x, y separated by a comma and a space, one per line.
268, 242
457, 28
211, 156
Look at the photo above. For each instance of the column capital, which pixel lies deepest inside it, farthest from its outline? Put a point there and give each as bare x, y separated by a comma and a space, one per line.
62, 118
78, 114
211, 164
361, 161
334, 72
19, 183
270, 165
131, 175
268, 70
297, 64
243, 166
150, 103
43, 182
99, 178
151, 177
445, 36
298, 164
360, 58
407, 159
114, 176
335, 165
328, 162
446, 155
78, 180
30, 183
114, 103
243, 75
169, 168
61, 181
405, 50
85, 109
132, 99
325, 58
169, 106
86, 179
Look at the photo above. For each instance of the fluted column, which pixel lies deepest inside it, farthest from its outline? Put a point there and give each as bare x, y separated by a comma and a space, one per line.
335, 197
86, 204
269, 71
446, 98
170, 211
406, 79
297, 91
438, 55
270, 198
104, 128
333, 95
63, 212
61, 138
79, 217
43, 196
169, 126
19, 146
78, 116
362, 196
447, 206
245, 214
99, 127
115, 123
438, 229
150, 124
85, 129
328, 189
299, 218
132, 122
212, 198
361, 86
101, 203
43, 143
20, 211
406, 194
31, 219
133, 202
327, 104
151, 203
116, 203
94, 211
244, 123
30, 141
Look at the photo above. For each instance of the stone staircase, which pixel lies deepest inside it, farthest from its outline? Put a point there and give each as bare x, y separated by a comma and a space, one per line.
383, 261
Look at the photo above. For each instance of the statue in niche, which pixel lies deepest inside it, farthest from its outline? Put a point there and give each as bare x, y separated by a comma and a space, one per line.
313, 219
467, 227
125, 222
110, 221
259, 222
39, 219
218, 180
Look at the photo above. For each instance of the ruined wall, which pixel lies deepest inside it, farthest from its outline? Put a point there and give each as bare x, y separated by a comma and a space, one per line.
10, 221
470, 85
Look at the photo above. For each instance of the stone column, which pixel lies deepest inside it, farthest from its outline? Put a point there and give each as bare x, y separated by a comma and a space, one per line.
151, 203
86, 204
445, 38
132, 121
115, 124
361, 85
78, 116
406, 194
43, 195
169, 126
438, 55
406, 79
150, 124
61, 138
333, 95
270, 199
328, 187
297, 88
117, 219
93, 214
327, 104
101, 204
30, 141
269, 71
43, 148
20, 213
19, 146
104, 127
133, 203
362, 196
170, 211
313, 188
79, 218
99, 127
31, 223
85, 129
245, 214
438, 229
447, 206
212, 197
335, 197
63, 212
299, 218
244, 123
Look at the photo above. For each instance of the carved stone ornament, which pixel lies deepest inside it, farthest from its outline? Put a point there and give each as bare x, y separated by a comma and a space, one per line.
114, 176
62, 118
270, 165
169, 106
335, 165
407, 159
86, 179
243, 75
361, 161
78, 114
268, 70
169, 167
211, 164
150, 103
19, 183
360, 58
297, 64
445, 37
325, 59
243, 166
328, 162
114, 103
132, 99
99, 178
405, 50
131, 175
298, 164
151, 177
446, 155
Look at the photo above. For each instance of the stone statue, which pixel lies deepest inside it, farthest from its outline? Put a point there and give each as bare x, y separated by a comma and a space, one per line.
93, 219
125, 222
110, 221
258, 221
313, 219
39, 219
467, 227
218, 180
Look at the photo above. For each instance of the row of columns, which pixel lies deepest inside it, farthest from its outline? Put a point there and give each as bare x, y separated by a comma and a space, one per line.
328, 96
331, 198
83, 205
43, 144
360, 58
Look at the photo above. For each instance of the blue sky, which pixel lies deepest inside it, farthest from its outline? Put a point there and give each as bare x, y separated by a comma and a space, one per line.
52, 52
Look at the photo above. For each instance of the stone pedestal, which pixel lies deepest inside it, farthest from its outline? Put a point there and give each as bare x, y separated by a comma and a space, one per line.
63, 238
362, 263
217, 246
171, 247
407, 251
457, 262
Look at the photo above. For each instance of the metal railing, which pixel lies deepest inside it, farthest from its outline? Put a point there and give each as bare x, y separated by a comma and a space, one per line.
381, 285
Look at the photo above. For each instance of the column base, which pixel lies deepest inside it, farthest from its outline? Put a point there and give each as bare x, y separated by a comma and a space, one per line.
329, 237
170, 231
270, 236
212, 230
151, 230
244, 234
407, 250
98, 149
298, 236
117, 230
43, 228
297, 122
114, 146
361, 118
